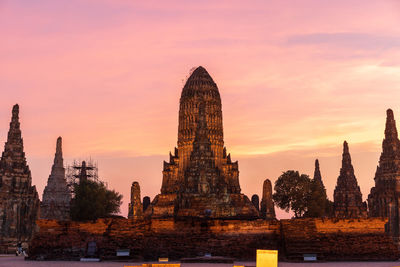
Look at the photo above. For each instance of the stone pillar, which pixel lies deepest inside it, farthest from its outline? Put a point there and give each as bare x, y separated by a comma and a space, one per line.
267, 204
135, 207
256, 201
146, 203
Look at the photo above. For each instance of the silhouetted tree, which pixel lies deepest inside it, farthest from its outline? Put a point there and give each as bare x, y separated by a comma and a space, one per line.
316, 201
292, 191
93, 200
329, 208
304, 196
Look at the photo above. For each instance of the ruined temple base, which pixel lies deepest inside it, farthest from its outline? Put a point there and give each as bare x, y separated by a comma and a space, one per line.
330, 239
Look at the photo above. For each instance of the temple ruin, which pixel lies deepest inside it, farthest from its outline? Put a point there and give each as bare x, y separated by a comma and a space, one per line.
256, 201
387, 173
347, 195
267, 204
135, 210
56, 199
317, 174
200, 179
19, 201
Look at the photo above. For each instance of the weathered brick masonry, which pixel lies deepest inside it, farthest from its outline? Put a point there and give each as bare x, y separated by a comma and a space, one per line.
331, 239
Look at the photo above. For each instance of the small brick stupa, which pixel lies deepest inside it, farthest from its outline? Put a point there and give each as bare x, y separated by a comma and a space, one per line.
267, 204
135, 210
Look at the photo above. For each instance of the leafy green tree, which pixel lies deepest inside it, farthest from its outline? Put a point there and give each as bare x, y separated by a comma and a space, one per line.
93, 200
292, 191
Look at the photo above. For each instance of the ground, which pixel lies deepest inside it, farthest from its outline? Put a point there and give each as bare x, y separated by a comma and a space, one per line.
12, 261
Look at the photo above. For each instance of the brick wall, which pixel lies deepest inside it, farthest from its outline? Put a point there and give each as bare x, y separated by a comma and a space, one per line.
331, 239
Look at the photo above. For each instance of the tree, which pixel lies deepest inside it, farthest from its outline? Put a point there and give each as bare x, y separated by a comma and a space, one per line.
304, 196
317, 202
93, 200
329, 208
292, 191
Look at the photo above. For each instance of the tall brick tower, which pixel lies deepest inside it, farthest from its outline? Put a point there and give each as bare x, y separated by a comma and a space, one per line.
19, 201
200, 88
200, 179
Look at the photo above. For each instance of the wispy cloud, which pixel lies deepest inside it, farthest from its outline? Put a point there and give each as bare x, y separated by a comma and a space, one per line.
350, 40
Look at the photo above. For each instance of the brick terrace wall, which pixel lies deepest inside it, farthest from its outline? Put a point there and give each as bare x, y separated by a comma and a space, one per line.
149, 240
331, 239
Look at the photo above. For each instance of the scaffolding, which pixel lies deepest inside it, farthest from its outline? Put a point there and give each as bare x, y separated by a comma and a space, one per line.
73, 171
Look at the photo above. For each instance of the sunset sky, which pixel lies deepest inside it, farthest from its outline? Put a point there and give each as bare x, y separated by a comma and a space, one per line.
296, 78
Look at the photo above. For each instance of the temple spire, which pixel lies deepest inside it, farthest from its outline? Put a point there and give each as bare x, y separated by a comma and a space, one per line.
13, 157
58, 158
200, 180
347, 195
14, 133
391, 143
15, 113
200, 79
387, 174
56, 195
317, 172
346, 159
19, 201
199, 88
390, 129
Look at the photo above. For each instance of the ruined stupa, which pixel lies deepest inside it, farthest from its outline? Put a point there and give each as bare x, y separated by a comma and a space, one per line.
267, 204
135, 209
56, 199
256, 201
347, 195
317, 174
146, 203
200, 180
387, 173
19, 201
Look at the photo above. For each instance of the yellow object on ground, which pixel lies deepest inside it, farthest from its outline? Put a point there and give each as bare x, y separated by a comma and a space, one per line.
267, 258
157, 265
